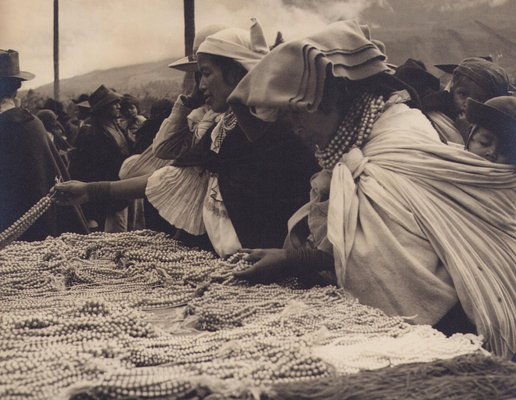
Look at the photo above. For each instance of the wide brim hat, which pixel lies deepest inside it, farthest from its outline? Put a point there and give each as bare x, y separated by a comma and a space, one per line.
84, 104
10, 66
497, 114
189, 63
103, 97
449, 68
413, 71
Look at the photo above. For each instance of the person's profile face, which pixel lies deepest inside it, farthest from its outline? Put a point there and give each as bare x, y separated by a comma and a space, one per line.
486, 144
212, 84
114, 110
132, 110
463, 89
316, 127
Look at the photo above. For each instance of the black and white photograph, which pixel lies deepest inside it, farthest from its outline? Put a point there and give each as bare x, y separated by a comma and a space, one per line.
257, 200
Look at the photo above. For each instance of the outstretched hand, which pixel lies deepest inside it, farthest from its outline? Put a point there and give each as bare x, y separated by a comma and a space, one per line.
269, 265
70, 193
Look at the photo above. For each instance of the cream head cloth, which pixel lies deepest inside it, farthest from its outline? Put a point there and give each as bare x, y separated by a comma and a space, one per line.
245, 47
292, 76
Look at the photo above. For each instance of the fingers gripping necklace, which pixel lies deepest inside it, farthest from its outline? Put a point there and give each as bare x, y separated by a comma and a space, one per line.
353, 130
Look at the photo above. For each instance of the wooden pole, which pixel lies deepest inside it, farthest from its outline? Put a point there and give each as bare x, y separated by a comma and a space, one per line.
189, 20
56, 50
189, 15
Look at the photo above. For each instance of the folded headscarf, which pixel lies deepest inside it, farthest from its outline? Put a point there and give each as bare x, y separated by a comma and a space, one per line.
245, 47
293, 74
489, 76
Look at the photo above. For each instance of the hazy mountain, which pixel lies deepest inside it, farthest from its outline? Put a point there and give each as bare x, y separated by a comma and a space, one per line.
154, 79
446, 31
436, 31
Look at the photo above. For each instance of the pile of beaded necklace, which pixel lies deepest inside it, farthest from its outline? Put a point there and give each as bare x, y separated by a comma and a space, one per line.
228, 123
353, 130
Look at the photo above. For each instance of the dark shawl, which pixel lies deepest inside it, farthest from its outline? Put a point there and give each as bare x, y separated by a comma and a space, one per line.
29, 164
262, 183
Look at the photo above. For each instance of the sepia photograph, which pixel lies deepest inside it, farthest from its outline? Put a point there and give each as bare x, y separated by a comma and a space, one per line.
258, 200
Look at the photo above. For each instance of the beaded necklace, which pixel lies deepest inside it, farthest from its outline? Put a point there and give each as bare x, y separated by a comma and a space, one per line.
228, 123
353, 130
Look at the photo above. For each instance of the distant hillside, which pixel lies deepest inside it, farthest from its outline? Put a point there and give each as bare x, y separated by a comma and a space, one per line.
436, 31
439, 33
141, 80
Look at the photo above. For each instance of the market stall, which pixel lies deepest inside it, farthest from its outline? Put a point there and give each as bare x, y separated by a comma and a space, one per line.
138, 315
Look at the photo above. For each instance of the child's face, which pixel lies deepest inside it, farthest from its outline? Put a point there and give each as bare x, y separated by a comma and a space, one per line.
464, 88
132, 110
486, 144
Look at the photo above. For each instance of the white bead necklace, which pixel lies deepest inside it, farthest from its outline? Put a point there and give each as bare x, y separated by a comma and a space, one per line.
228, 123
353, 131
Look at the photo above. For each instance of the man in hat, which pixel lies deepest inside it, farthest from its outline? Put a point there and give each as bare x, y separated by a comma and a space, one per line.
101, 147
79, 111
29, 162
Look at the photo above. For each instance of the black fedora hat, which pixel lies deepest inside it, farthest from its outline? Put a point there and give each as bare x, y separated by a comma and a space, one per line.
497, 114
10, 66
414, 73
102, 97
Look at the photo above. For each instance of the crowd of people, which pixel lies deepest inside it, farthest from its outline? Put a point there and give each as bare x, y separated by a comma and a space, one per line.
330, 165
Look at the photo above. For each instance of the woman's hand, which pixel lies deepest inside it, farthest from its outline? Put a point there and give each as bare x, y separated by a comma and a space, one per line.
269, 265
71, 193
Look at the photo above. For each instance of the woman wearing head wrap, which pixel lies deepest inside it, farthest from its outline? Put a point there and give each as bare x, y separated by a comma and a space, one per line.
475, 78
240, 193
407, 224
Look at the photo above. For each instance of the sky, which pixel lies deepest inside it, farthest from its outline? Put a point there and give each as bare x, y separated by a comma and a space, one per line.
102, 34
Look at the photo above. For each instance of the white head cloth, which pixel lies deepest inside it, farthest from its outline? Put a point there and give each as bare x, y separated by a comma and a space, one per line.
245, 47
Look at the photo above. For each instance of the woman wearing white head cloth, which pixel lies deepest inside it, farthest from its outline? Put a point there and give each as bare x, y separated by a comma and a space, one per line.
240, 193
405, 222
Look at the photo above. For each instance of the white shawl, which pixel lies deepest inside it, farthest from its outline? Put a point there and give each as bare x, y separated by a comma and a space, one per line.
405, 200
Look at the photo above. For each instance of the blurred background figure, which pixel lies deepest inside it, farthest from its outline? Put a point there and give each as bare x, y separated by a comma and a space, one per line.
29, 161
131, 119
144, 136
56, 133
101, 148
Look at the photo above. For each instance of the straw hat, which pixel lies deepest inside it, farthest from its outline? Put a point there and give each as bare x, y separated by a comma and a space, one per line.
189, 63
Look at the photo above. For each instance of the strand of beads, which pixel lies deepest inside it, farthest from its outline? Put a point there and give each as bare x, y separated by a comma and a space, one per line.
228, 123
354, 129
25, 221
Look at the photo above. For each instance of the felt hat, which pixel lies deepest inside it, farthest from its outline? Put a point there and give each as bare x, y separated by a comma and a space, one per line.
189, 63
497, 114
10, 66
449, 68
83, 97
102, 97
414, 73
47, 116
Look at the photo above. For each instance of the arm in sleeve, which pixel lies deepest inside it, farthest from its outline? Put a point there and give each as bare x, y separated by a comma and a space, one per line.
306, 262
174, 135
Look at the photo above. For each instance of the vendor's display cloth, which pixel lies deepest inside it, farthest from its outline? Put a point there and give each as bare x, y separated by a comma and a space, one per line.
104, 316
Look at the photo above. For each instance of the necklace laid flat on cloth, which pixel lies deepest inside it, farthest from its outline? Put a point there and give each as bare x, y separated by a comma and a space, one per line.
353, 130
